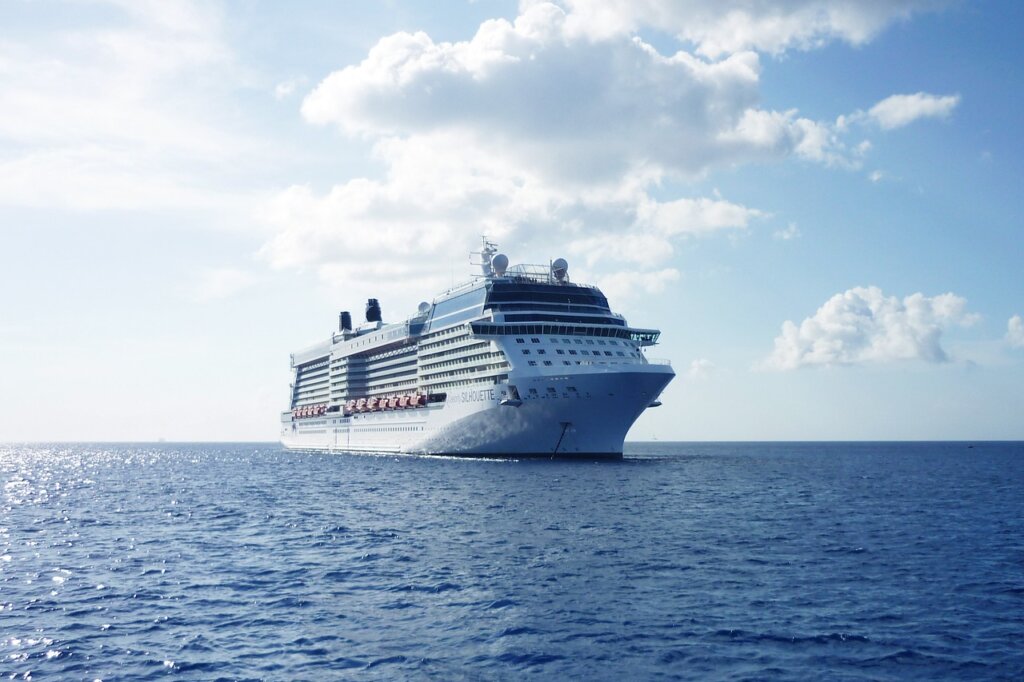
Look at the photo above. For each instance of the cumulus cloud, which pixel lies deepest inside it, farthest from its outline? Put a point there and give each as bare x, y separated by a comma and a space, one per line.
571, 107
862, 325
897, 111
565, 128
1015, 331
720, 27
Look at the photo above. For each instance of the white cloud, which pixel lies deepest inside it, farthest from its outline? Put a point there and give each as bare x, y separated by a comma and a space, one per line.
700, 368
897, 111
561, 128
286, 89
791, 231
694, 216
862, 325
629, 284
720, 27
219, 283
1015, 331
541, 97
123, 114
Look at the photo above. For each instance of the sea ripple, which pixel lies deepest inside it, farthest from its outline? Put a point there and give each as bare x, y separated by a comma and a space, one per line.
861, 561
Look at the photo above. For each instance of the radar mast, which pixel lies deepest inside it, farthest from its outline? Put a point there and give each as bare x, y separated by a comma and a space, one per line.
487, 251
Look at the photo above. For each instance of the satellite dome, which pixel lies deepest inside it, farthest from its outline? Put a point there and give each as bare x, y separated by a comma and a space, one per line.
423, 307
559, 269
500, 264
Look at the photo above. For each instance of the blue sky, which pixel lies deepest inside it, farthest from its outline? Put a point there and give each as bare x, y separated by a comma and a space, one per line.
817, 201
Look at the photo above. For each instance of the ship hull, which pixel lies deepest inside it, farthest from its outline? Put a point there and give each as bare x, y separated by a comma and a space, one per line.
582, 415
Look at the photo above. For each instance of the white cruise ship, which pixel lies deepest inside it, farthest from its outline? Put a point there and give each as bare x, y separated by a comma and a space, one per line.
518, 362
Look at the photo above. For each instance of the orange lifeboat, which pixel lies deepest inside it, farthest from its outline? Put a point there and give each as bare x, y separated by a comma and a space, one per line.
371, 404
403, 401
392, 402
361, 405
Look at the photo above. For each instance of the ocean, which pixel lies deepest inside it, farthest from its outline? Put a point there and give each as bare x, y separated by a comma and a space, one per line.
731, 561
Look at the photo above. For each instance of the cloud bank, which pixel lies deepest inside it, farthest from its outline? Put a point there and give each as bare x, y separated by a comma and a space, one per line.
563, 127
864, 326
122, 114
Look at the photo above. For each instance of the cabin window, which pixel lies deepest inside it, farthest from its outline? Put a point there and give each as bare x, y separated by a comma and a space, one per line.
534, 340
526, 351
520, 341
533, 363
547, 363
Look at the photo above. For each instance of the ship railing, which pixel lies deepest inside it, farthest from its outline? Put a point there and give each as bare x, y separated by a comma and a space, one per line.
526, 273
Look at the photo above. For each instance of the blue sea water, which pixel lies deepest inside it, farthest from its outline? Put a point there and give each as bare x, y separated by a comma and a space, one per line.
840, 561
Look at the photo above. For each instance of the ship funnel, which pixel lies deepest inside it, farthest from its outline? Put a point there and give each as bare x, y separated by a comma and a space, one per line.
345, 321
560, 268
499, 263
372, 310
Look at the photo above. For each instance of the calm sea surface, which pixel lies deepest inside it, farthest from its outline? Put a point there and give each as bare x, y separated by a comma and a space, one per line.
692, 561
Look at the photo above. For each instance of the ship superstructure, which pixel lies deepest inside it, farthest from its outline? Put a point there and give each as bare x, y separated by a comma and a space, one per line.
520, 361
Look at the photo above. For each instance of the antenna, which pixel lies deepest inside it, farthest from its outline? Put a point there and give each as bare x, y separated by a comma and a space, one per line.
486, 252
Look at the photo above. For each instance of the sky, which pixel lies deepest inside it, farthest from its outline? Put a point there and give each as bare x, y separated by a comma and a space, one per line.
817, 201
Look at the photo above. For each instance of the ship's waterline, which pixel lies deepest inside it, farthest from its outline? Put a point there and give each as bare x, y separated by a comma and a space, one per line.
518, 362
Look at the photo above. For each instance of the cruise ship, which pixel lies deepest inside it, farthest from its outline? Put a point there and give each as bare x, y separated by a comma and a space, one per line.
518, 362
